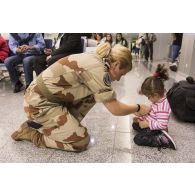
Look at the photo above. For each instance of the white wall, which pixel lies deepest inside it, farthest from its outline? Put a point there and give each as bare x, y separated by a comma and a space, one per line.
161, 46
187, 56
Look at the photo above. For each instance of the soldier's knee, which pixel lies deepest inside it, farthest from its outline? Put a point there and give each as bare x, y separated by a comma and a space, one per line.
82, 144
38, 140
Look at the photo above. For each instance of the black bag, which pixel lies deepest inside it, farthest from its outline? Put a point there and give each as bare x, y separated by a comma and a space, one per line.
181, 98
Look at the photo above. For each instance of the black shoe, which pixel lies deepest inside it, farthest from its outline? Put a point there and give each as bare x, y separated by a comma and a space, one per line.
173, 68
17, 87
136, 126
166, 141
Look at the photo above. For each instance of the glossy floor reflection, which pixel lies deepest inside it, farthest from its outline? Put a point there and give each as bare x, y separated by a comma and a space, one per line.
111, 136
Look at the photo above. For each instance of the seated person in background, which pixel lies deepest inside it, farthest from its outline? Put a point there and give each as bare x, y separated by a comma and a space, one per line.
121, 40
66, 44
153, 127
109, 38
24, 46
98, 37
4, 51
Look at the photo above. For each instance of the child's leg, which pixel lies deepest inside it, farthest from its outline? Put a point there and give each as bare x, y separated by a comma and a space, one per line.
136, 127
148, 138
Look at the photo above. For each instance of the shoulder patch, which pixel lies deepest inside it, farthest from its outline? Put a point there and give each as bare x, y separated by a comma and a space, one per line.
107, 80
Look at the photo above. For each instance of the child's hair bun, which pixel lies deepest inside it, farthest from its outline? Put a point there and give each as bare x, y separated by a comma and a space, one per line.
161, 72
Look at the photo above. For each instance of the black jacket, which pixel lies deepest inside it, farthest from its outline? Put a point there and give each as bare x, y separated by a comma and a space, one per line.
178, 40
70, 44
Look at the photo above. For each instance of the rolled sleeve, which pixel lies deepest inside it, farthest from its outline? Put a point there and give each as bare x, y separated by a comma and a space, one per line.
105, 96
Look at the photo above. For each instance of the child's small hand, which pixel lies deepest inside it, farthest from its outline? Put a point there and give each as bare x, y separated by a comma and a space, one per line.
137, 114
144, 110
136, 120
144, 124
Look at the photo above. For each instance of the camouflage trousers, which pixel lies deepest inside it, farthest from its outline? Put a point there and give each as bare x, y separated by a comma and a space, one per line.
60, 126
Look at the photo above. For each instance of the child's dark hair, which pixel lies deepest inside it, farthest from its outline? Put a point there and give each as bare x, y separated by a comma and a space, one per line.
155, 84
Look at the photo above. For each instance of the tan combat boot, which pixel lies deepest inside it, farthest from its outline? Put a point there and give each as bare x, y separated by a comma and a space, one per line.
23, 133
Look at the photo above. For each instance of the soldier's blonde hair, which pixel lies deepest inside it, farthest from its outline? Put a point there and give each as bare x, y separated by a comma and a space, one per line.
117, 53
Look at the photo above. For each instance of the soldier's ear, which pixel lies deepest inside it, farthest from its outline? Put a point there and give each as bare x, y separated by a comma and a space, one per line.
117, 63
114, 64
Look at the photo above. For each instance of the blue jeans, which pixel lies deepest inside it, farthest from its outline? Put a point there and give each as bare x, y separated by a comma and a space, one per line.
13, 61
175, 52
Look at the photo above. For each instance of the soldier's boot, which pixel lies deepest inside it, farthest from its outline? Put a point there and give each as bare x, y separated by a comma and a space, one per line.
23, 133
37, 139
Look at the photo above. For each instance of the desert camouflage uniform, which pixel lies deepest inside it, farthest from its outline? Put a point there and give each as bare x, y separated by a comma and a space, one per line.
76, 82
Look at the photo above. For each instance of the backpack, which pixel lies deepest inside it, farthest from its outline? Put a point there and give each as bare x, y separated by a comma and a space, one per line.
22, 41
181, 98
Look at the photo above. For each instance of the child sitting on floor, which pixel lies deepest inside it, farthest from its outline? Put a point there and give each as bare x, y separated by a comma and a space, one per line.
152, 128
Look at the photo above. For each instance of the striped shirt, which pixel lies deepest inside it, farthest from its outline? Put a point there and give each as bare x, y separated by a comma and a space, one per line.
158, 117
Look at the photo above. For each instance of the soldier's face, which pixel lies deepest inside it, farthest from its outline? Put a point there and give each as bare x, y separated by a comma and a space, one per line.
116, 73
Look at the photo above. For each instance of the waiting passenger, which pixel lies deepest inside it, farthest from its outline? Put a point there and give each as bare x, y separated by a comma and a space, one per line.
175, 49
59, 98
66, 44
98, 37
142, 43
153, 127
137, 48
4, 49
121, 40
145, 46
151, 39
25, 47
109, 38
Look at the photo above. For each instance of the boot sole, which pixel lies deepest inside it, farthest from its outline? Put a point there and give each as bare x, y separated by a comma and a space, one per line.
170, 138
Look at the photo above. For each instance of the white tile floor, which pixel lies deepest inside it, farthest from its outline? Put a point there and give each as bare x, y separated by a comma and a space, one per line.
112, 137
